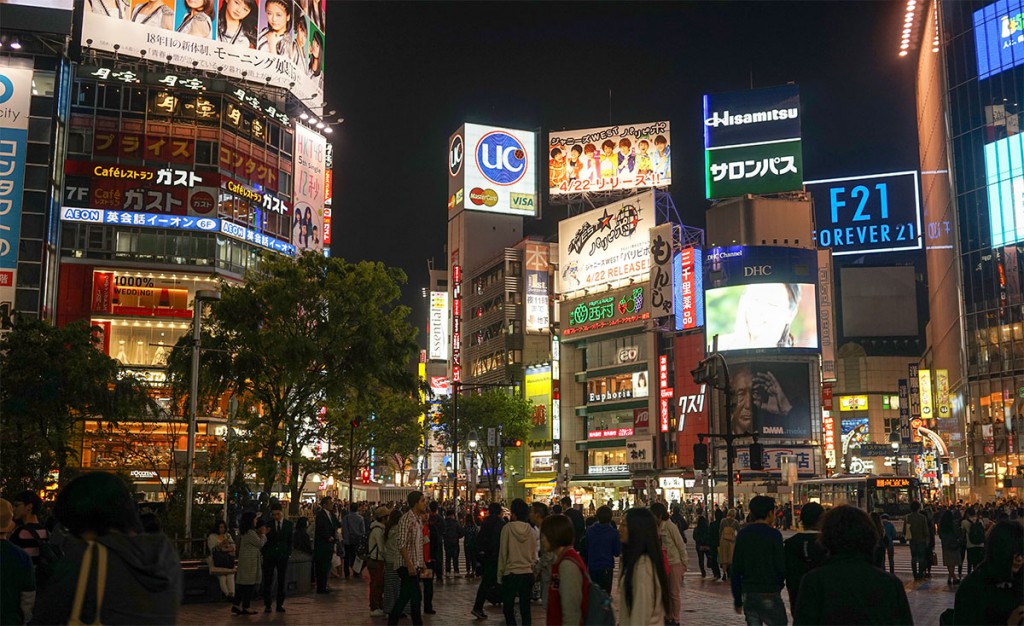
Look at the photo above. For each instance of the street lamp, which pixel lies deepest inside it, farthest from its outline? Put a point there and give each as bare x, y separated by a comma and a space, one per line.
565, 478
202, 295
473, 441
448, 474
894, 441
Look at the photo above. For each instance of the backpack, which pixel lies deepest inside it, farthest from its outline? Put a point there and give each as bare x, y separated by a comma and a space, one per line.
362, 546
598, 609
49, 556
976, 534
728, 533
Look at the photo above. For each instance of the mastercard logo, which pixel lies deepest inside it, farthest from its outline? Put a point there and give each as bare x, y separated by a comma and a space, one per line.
483, 197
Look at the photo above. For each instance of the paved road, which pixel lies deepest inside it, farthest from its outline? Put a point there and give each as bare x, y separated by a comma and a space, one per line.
704, 601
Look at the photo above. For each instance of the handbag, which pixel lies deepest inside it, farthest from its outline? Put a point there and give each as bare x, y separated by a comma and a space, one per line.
83, 582
223, 560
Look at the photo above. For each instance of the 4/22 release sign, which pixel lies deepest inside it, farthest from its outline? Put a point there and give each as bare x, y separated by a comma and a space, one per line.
867, 214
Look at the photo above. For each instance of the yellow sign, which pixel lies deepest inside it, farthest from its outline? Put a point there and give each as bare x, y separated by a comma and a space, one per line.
892, 482
853, 403
421, 370
942, 407
924, 377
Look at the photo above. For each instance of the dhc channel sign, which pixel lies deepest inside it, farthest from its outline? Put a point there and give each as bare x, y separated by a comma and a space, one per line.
501, 158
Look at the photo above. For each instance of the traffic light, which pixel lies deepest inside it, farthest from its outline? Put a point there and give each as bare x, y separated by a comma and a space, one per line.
518, 443
700, 456
356, 421
703, 373
757, 457
508, 442
738, 478
365, 477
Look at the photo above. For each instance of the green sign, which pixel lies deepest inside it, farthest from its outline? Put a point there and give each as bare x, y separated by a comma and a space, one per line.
755, 169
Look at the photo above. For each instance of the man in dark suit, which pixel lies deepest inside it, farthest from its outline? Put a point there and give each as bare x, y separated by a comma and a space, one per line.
276, 551
324, 538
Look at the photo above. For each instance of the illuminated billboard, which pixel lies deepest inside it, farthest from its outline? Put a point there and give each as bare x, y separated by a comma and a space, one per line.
752, 142
310, 158
609, 158
999, 37
439, 340
537, 301
608, 244
772, 398
687, 267
537, 390
761, 298
1004, 176
493, 170
263, 41
15, 99
867, 214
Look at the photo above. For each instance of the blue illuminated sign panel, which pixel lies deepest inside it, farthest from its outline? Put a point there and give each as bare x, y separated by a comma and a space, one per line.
999, 37
867, 214
1004, 176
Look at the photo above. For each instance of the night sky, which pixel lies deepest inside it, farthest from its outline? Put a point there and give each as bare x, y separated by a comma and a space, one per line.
405, 76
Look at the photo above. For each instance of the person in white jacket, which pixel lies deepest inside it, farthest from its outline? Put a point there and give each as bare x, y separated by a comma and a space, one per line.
643, 585
675, 548
516, 556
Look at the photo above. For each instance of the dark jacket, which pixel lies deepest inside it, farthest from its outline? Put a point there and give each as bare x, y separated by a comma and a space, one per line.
451, 531
849, 590
488, 541
603, 545
918, 526
301, 542
984, 597
714, 531
278, 547
803, 553
143, 583
579, 526
326, 526
436, 527
701, 536
758, 562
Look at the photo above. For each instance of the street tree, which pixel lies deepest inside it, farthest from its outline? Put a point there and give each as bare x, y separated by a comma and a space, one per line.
306, 341
53, 380
493, 408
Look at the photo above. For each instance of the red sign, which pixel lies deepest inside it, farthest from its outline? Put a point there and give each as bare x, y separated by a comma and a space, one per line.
666, 391
168, 190
641, 418
456, 318
140, 147
826, 397
327, 226
692, 400
664, 415
610, 433
439, 385
688, 286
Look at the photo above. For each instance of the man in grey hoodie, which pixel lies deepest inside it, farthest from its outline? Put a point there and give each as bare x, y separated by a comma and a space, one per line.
516, 556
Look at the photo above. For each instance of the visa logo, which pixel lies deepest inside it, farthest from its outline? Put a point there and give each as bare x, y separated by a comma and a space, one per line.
523, 201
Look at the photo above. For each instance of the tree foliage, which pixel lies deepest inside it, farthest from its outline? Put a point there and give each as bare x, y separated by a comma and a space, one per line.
493, 408
301, 336
52, 380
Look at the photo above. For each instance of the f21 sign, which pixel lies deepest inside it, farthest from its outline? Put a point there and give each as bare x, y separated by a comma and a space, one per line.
867, 214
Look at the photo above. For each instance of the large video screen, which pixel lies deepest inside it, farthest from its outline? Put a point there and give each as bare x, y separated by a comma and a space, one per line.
772, 398
865, 291
999, 37
763, 316
1004, 176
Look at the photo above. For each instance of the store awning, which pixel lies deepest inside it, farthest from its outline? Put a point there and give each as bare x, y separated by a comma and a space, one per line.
535, 482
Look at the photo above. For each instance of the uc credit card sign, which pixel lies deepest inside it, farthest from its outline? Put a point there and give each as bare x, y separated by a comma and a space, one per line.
867, 214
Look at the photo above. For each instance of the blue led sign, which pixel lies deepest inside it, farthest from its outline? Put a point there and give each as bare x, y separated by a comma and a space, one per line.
999, 37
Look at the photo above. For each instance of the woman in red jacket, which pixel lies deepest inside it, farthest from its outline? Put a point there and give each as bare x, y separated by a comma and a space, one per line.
567, 592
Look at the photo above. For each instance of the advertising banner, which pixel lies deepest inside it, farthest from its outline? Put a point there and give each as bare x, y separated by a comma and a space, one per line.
537, 389
999, 37
924, 379
493, 170
15, 98
867, 214
942, 407
774, 458
1004, 177
641, 418
752, 142
456, 318
688, 270
771, 397
828, 427
914, 390
308, 222
259, 40
609, 158
904, 390
662, 251
537, 302
439, 340
119, 294
608, 244
761, 298
639, 452
169, 190
826, 317
853, 403
691, 399
622, 307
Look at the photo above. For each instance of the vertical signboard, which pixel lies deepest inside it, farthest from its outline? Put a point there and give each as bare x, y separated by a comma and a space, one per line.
688, 270
904, 411
308, 211
665, 394
914, 390
826, 325
537, 388
537, 306
438, 326
456, 321
942, 408
924, 378
15, 98
661, 253
556, 397
692, 404
829, 432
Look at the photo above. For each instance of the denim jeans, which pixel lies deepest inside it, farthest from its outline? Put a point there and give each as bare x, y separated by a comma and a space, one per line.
764, 608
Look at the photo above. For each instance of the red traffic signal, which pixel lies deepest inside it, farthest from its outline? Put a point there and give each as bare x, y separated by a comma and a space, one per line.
365, 476
518, 443
739, 478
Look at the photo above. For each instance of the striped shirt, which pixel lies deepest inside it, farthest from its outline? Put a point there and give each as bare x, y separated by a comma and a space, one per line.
411, 533
24, 537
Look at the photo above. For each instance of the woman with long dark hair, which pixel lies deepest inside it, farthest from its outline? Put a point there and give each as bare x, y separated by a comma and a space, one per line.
392, 559
643, 587
702, 539
237, 22
992, 593
949, 536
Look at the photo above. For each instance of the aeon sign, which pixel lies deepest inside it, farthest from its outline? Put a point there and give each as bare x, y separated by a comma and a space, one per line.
501, 158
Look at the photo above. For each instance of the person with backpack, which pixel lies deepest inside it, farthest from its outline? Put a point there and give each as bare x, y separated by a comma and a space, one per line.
450, 530
994, 592
375, 553
802, 551
487, 547
701, 539
974, 533
353, 530
730, 527
566, 598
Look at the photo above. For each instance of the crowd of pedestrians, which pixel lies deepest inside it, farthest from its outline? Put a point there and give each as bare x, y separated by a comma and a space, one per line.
95, 559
